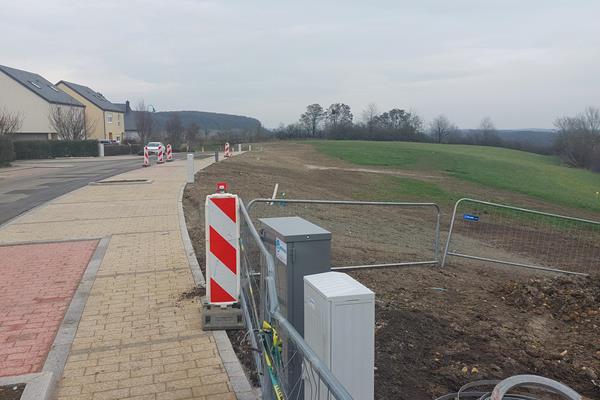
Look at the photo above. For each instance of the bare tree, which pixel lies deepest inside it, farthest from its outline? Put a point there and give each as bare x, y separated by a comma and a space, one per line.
487, 125
10, 122
487, 135
206, 135
191, 134
441, 127
592, 120
338, 117
311, 118
415, 122
69, 122
144, 121
578, 139
369, 116
174, 129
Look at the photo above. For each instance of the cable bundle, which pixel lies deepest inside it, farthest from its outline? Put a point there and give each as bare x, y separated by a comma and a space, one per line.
503, 390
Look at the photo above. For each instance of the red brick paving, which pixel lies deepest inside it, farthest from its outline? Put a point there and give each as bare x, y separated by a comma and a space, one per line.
37, 282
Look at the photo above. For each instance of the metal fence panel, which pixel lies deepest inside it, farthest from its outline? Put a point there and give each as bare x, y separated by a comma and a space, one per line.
260, 303
515, 236
383, 234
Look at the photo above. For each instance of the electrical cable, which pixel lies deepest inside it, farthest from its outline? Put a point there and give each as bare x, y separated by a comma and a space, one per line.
501, 389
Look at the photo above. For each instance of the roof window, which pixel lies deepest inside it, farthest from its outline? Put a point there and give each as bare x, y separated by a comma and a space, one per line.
54, 88
35, 84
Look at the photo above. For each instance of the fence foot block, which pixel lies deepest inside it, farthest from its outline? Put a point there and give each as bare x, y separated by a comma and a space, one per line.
217, 318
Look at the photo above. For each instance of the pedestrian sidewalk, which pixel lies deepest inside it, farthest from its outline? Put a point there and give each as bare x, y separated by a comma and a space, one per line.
136, 338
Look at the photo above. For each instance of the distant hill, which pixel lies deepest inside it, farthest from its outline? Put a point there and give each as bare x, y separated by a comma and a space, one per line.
215, 122
539, 137
542, 137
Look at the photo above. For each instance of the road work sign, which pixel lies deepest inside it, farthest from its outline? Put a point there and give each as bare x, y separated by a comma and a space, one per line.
222, 249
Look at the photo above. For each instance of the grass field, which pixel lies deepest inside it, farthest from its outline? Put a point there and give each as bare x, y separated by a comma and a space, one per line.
538, 176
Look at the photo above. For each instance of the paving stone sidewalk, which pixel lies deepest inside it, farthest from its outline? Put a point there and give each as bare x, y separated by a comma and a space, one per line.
136, 338
36, 286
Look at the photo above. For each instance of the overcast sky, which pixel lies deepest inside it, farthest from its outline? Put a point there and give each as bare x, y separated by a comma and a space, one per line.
523, 63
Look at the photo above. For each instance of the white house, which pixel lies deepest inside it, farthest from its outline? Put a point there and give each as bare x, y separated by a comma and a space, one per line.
31, 97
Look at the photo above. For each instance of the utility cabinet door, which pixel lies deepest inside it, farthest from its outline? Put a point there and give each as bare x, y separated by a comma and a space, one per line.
317, 333
353, 346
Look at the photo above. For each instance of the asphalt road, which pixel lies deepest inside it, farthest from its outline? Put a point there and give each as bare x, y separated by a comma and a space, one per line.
30, 183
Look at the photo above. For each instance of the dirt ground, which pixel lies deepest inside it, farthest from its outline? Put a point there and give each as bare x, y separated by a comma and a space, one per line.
436, 329
12, 392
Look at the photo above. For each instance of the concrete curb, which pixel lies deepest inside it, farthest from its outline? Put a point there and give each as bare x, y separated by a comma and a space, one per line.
37, 386
41, 386
238, 379
116, 182
187, 243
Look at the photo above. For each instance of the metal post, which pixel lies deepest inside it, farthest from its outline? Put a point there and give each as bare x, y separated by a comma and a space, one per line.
450, 233
216, 155
100, 149
190, 168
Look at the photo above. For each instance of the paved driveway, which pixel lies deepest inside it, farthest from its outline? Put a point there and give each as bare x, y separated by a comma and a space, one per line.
30, 183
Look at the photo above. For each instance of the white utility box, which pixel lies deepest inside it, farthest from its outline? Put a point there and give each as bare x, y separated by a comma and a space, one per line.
339, 325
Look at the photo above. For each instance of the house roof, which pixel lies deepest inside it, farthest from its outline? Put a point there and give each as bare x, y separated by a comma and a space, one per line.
40, 86
130, 124
92, 96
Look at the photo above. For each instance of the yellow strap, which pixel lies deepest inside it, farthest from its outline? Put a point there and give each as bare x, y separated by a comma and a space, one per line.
278, 392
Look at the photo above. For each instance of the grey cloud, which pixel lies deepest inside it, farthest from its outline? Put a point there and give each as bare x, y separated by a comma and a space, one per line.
522, 63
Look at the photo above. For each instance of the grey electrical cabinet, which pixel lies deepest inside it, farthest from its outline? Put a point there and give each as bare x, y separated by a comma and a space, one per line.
299, 248
339, 315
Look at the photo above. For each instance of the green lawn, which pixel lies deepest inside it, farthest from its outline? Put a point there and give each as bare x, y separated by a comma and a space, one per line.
535, 175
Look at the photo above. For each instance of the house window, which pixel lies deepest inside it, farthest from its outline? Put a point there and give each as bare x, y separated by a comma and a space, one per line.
109, 118
118, 119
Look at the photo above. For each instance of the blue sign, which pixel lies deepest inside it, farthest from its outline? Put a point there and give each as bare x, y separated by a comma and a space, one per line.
469, 217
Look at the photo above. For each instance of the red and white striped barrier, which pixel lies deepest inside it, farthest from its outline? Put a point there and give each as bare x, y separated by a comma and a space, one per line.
160, 155
227, 150
222, 249
169, 153
146, 157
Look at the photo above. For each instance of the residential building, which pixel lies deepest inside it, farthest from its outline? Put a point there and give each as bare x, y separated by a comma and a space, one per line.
130, 122
32, 98
107, 120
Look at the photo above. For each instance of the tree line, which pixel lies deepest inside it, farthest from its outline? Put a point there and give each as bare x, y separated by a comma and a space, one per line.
337, 122
577, 140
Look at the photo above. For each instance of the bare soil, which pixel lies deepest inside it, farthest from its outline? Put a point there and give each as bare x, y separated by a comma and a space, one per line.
11, 392
436, 329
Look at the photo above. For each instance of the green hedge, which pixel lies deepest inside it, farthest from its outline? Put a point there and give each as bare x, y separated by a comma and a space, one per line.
30, 149
7, 152
121, 149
